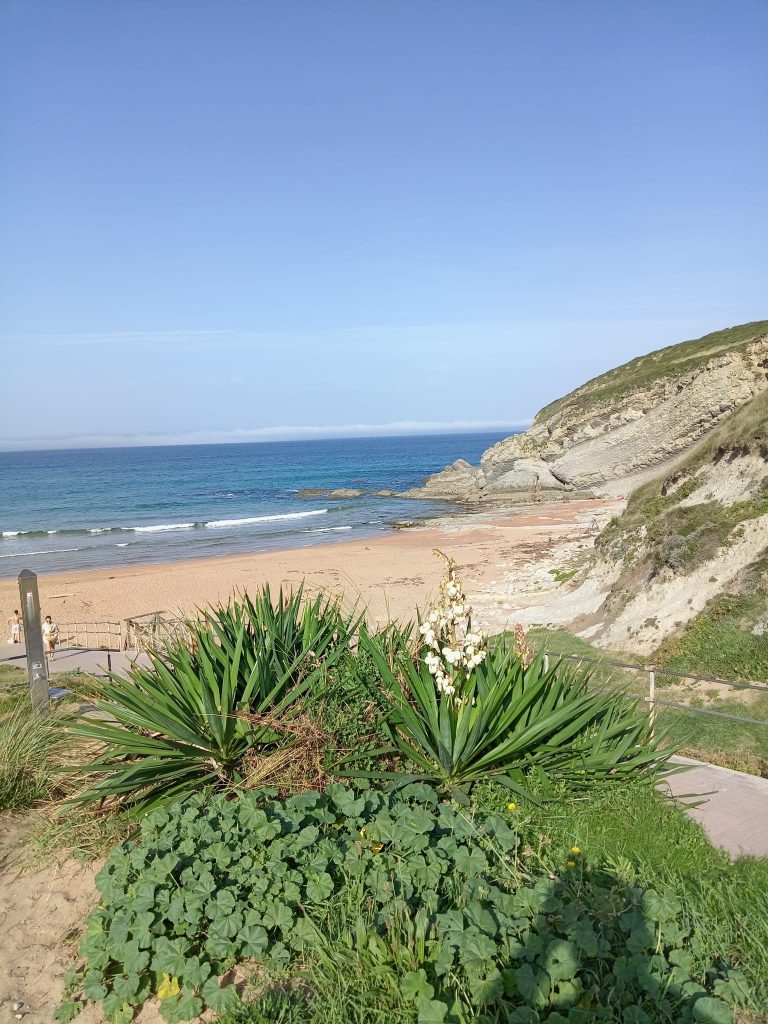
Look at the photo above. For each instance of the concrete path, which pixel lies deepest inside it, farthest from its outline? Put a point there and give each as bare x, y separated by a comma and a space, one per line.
68, 659
733, 807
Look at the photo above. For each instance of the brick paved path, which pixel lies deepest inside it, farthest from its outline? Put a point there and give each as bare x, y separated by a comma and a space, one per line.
734, 806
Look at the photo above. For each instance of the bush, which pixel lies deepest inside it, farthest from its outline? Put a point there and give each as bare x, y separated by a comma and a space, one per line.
353, 879
197, 714
31, 748
506, 717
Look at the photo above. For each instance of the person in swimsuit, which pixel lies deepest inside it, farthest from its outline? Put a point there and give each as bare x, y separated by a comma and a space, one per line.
50, 636
15, 623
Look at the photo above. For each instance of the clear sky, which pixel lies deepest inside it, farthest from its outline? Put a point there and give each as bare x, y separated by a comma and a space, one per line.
222, 218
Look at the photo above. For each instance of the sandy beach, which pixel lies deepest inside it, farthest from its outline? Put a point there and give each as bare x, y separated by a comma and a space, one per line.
502, 554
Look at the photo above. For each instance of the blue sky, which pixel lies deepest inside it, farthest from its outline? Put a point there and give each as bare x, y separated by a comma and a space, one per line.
218, 220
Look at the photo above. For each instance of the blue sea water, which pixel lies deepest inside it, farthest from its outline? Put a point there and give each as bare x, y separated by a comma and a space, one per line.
101, 507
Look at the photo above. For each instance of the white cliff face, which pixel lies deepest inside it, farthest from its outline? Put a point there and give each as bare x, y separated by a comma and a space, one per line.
670, 601
683, 412
613, 443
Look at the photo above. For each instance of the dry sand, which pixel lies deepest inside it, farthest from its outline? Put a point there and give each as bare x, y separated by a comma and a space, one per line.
390, 575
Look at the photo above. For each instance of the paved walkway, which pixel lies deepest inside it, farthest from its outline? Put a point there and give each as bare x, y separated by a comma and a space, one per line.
68, 659
733, 807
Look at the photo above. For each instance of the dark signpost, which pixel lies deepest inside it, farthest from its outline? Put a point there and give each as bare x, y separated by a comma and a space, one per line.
37, 665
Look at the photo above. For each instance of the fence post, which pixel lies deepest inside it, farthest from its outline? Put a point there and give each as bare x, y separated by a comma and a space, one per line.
652, 697
37, 661
546, 663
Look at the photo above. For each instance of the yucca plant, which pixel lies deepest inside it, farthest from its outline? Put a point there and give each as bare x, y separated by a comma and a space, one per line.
505, 717
291, 629
194, 715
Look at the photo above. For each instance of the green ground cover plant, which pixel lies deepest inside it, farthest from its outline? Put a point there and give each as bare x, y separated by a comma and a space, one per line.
431, 902
645, 839
640, 839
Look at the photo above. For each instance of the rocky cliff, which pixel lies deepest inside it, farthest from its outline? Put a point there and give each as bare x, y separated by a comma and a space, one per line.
690, 551
623, 428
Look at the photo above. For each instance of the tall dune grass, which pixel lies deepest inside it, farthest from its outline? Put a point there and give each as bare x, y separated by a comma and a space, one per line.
31, 751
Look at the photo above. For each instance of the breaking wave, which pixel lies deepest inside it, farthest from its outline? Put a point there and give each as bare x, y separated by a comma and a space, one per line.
209, 524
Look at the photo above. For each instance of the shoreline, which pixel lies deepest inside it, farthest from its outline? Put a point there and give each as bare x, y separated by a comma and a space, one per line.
391, 574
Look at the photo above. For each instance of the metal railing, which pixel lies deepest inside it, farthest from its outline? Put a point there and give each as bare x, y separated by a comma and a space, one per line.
152, 630
133, 634
93, 636
652, 699
99, 636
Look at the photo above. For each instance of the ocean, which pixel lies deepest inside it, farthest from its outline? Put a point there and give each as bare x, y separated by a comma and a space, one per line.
103, 507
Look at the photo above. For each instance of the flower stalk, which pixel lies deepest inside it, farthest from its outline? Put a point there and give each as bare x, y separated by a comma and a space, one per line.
451, 646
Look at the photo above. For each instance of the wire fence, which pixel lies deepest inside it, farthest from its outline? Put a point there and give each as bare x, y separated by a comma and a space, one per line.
653, 672
720, 733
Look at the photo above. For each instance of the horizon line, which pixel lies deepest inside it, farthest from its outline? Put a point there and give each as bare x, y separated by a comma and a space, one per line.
263, 435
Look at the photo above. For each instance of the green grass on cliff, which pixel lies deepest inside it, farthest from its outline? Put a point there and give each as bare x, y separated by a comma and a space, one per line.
643, 371
719, 643
729, 638
658, 530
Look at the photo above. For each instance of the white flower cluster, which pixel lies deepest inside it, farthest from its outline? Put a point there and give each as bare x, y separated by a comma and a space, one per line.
454, 647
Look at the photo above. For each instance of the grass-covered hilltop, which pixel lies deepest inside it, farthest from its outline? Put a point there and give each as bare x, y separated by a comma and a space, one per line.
624, 427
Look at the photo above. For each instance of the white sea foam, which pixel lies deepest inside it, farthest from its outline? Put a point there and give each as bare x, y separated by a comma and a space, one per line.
46, 551
161, 528
215, 523
167, 527
328, 529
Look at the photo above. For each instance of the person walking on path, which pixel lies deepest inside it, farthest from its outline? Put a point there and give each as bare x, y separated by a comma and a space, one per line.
51, 636
15, 623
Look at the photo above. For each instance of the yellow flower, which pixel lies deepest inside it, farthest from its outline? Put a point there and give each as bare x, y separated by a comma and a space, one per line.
511, 807
362, 831
576, 850
570, 864
168, 987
